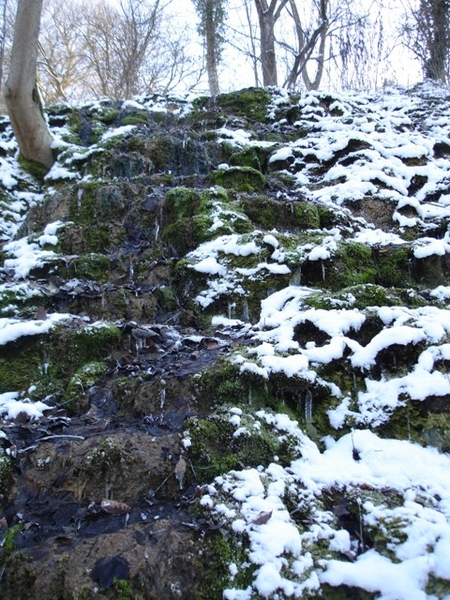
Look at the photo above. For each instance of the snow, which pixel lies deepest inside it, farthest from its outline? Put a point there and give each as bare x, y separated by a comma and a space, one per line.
13, 329
11, 406
282, 556
280, 514
278, 548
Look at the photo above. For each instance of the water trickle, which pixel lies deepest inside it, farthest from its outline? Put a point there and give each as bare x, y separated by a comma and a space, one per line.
231, 307
355, 386
44, 366
297, 278
308, 406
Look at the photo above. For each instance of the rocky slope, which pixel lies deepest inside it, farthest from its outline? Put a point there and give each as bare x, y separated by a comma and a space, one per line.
225, 348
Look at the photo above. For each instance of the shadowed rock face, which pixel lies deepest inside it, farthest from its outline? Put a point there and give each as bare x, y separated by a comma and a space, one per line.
211, 289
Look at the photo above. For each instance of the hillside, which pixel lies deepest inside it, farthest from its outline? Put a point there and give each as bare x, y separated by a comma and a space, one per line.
225, 351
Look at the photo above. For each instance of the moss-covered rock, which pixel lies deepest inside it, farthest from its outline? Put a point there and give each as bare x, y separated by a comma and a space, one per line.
6, 478
243, 179
93, 266
217, 446
75, 398
251, 103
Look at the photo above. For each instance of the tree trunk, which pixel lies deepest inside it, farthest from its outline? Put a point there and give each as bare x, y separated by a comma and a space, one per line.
267, 41
438, 45
268, 15
306, 44
21, 93
211, 51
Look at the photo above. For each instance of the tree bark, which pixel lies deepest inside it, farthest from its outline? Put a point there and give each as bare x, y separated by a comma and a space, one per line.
436, 13
21, 92
211, 50
268, 15
306, 46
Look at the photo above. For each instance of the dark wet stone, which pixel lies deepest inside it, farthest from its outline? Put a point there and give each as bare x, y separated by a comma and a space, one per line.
107, 569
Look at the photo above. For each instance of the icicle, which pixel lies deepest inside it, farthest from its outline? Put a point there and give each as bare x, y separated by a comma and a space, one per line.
162, 394
44, 364
323, 270
250, 396
80, 195
308, 406
245, 314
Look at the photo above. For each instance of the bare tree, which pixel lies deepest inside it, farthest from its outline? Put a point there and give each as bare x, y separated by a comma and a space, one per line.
211, 28
21, 93
425, 31
3, 31
310, 45
269, 12
62, 64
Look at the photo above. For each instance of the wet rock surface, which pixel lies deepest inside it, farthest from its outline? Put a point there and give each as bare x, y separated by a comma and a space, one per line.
209, 290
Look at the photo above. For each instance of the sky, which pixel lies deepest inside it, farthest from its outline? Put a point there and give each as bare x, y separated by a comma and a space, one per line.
399, 67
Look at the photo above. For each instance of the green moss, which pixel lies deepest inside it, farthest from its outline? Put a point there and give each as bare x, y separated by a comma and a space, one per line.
255, 157
352, 264
108, 115
250, 102
215, 449
93, 266
160, 151
305, 215
76, 395
224, 383
97, 130
394, 266
189, 217
344, 592
70, 349
243, 179
8, 543
82, 205
180, 202
268, 213
33, 168
166, 298
6, 478
262, 211
437, 587
137, 118
93, 342
217, 552
20, 300
21, 364
18, 576
124, 590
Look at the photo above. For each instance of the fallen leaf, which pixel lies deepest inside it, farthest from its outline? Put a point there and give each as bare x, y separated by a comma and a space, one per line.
113, 507
262, 518
180, 470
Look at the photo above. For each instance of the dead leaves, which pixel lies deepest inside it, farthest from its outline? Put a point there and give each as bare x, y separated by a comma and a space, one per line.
113, 507
262, 517
180, 470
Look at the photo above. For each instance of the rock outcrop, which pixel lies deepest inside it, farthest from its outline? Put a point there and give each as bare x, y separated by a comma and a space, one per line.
224, 350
